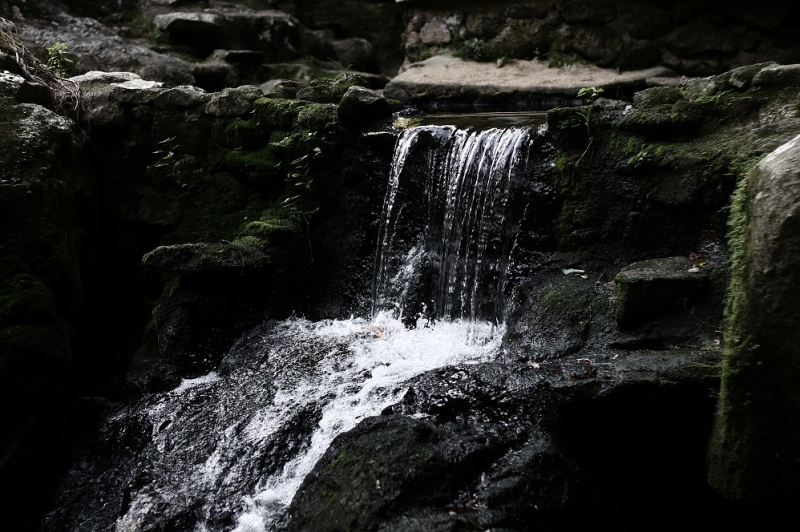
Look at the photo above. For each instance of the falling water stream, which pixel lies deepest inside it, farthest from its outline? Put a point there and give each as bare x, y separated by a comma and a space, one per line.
229, 450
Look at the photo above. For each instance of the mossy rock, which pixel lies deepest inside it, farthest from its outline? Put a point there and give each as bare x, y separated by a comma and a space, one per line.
656, 97
652, 288
329, 90
245, 134
25, 300
317, 117
277, 113
243, 255
568, 125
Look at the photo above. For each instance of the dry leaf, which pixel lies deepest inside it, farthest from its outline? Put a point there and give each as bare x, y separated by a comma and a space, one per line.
693, 270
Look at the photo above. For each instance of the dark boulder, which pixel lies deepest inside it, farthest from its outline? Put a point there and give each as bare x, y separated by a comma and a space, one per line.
754, 449
361, 106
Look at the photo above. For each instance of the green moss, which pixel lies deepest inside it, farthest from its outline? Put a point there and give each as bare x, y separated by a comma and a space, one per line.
277, 113
263, 160
340, 457
570, 301
560, 162
473, 49
217, 208
317, 117
244, 134
739, 226
250, 242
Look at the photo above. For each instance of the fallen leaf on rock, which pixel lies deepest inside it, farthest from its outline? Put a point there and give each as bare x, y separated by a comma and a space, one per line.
693, 270
406, 123
568, 271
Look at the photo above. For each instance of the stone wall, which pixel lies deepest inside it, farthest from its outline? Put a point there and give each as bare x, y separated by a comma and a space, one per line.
692, 38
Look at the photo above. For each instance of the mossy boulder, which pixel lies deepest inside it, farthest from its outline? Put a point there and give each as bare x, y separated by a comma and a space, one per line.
377, 469
755, 449
206, 258
329, 90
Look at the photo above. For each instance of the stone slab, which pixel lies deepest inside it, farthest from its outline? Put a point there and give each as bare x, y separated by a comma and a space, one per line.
447, 79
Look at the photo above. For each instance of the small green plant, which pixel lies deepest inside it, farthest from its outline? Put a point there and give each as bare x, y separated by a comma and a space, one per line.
166, 153
57, 59
471, 49
300, 181
343, 70
589, 94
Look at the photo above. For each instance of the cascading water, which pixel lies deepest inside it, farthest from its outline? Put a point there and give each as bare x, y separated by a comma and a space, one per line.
450, 260
229, 450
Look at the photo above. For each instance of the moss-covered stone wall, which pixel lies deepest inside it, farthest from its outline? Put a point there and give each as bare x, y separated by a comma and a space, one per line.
692, 38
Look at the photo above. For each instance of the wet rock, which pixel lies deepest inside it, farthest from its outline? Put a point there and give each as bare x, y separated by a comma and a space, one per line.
374, 470
752, 449
510, 471
360, 106
651, 288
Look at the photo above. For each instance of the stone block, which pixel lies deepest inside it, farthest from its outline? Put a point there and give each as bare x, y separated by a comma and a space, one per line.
653, 288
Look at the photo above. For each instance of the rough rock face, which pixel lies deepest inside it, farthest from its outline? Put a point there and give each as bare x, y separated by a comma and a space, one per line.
44, 258
514, 447
200, 177
213, 44
193, 178
698, 40
93, 46
754, 450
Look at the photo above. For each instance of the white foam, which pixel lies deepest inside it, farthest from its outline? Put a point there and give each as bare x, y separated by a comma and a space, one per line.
384, 357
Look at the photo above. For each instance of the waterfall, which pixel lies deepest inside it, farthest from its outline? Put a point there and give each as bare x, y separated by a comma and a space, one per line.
229, 450
447, 225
